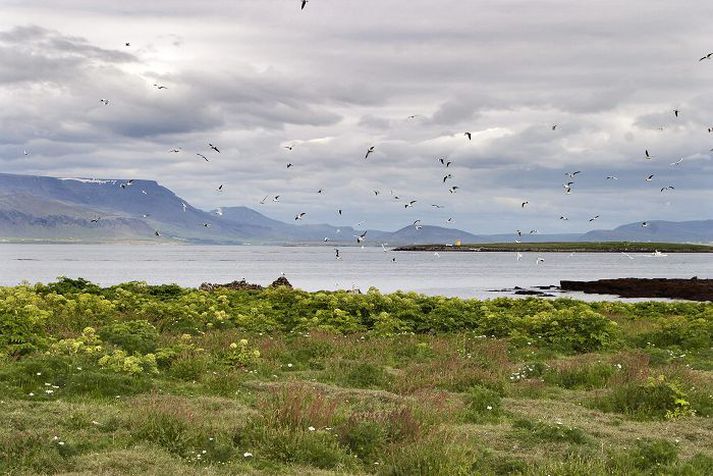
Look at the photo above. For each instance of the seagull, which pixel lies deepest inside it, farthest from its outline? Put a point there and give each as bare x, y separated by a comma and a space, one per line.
564, 218
383, 247
262, 202
25, 153
612, 177
127, 184
413, 116
104, 101
650, 178
203, 157
554, 126
534, 232
644, 224
159, 86
157, 233
436, 254
336, 253
594, 218
339, 211
435, 205
572, 174
468, 135
677, 163
290, 164
417, 224
206, 225
214, 148
567, 189
668, 187
127, 44
276, 198
676, 112
219, 212
393, 260
447, 177
453, 189
410, 204
519, 233
144, 192
304, 4
360, 238
369, 151
95, 220
540, 260
184, 206
376, 193
708, 56
175, 151
450, 220
289, 147
220, 189
647, 155
320, 191
146, 215
523, 204
300, 215
518, 256
627, 255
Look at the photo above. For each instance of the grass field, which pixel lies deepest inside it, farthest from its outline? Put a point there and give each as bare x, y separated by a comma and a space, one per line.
568, 247
138, 379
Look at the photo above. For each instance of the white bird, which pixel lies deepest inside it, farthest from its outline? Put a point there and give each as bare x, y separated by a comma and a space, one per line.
518, 256
220, 189
436, 254
203, 157
564, 218
524, 204
435, 205
104, 101
417, 224
540, 260
667, 187
594, 218
175, 151
627, 255
410, 204
650, 178
219, 212
612, 177
678, 162
159, 86
453, 189
262, 202
184, 206
644, 224
647, 155
300, 215
25, 153
276, 198
450, 220
360, 238
572, 174
369, 151
383, 247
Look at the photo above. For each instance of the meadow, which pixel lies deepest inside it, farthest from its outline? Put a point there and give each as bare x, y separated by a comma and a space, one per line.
139, 379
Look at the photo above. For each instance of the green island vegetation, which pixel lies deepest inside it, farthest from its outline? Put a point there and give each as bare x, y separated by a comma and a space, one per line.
568, 247
140, 379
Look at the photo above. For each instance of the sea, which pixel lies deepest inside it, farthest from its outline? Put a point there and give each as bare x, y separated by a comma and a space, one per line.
455, 274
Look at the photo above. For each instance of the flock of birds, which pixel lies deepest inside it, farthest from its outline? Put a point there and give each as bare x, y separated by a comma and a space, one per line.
446, 177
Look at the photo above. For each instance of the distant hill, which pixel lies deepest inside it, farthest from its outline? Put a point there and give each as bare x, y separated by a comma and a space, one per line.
35, 208
700, 231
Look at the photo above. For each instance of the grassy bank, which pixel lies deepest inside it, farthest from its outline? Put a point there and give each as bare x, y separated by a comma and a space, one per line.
569, 247
137, 379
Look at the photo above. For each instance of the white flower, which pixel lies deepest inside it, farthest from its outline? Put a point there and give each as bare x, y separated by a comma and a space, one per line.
55, 438
38, 373
61, 443
489, 407
31, 394
49, 392
247, 454
311, 428
289, 365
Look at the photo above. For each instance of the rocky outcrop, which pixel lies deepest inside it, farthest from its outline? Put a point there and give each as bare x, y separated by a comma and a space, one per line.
693, 289
281, 281
241, 285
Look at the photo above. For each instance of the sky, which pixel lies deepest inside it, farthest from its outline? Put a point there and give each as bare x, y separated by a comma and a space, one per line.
340, 76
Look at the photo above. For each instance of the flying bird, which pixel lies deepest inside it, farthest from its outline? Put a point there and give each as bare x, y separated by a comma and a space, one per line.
276, 198
104, 101
203, 157
175, 151
214, 148
206, 225
220, 189
127, 184
594, 218
446, 177
540, 260
262, 202
289, 147
417, 224
127, 44
299, 216
564, 218
612, 177
450, 220
184, 206
554, 126
290, 164
644, 224
410, 204
572, 174
453, 189
677, 163
524, 204
435, 205
650, 178
159, 86
336, 253
468, 135
667, 187
95, 220
376, 193
25, 153
360, 238
705, 57
676, 112
304, 4
219, 212
157, 233
647, 155
369, 151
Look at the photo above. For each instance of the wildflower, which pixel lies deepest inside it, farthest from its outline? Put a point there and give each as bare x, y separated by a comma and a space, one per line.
31, 394
94, 422
247, 454
49, 392
61, 443
289, 366
489, 407
243, 342
233, 345
38, 373
311, 428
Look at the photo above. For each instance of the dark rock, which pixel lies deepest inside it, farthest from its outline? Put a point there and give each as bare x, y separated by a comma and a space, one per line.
241, 285
529, 292
694, 289
281, 281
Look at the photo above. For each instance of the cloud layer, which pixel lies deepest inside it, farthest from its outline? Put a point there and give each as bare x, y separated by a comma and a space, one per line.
409, 77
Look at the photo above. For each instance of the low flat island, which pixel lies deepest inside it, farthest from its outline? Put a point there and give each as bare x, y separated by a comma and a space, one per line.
567, 247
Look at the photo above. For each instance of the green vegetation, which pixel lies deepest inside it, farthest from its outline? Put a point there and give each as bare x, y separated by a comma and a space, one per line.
136, 379
569, 247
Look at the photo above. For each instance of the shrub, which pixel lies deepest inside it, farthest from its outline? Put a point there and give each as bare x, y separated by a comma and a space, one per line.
655, 399
119, 361
483, 405
578, 329
242, 355
132, 336
87, 343
21, 324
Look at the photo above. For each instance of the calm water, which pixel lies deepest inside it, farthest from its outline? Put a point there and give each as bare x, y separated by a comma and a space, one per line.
313, 268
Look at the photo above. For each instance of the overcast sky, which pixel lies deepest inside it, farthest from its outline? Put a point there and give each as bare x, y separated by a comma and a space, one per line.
253, 76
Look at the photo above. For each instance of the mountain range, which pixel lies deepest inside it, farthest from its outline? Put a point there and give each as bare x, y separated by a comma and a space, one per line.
41, 209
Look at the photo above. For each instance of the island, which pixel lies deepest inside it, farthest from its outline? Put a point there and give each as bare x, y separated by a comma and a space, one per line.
566, 247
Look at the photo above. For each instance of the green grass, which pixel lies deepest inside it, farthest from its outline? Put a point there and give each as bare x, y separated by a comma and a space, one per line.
176, 381
567, 247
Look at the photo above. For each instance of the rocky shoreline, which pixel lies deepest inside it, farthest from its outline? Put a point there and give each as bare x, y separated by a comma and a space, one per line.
693, 289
